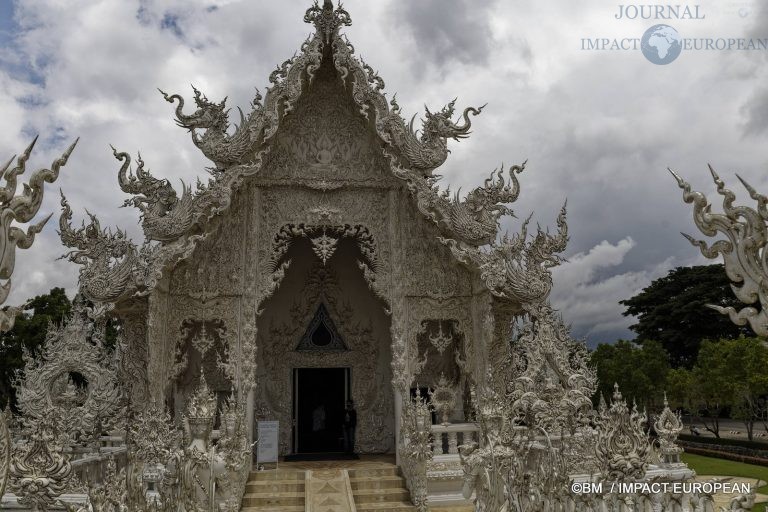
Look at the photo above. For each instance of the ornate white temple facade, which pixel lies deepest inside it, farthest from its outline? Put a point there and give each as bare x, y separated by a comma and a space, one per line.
322, 241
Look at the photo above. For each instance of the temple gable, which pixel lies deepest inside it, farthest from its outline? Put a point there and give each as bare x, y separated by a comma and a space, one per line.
325, 140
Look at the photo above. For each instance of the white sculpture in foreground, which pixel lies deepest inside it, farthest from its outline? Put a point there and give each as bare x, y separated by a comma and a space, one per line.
21, 209
743, 251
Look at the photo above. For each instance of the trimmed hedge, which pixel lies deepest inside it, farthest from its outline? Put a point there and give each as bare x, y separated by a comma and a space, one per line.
736, 457
754, 445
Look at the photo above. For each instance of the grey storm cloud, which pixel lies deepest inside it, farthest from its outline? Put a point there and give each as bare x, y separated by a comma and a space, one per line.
597, 128
755, 109
755, 112
447, 30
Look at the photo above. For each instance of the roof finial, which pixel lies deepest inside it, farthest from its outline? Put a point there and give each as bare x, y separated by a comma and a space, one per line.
327, 20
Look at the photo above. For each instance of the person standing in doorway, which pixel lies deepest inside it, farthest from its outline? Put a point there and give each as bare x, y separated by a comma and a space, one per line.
350, 423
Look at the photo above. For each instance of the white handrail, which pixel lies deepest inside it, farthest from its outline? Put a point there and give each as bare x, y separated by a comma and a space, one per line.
448, 437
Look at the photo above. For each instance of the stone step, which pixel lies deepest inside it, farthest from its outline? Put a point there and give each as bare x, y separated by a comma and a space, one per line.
261, 486
272, 499
374, 472
377, 482
279, 474
381, 495
385, 507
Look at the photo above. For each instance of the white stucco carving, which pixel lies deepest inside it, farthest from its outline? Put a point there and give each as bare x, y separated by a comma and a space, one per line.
21, 208
743, 250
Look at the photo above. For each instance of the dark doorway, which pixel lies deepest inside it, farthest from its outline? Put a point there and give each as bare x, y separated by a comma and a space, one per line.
319, 397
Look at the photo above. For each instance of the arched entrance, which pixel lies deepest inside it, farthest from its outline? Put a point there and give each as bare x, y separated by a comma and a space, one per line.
320, 394
324, 337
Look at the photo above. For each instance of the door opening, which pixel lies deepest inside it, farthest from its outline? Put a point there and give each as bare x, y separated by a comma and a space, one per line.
318, 408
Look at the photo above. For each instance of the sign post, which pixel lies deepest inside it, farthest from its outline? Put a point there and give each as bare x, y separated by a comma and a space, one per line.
267, 442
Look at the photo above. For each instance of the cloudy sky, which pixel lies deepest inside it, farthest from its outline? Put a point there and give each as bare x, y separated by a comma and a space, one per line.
597, 127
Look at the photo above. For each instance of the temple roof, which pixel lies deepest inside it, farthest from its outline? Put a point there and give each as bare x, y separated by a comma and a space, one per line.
422, 152
174, 225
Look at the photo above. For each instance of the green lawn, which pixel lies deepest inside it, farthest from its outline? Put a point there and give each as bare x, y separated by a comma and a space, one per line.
712, 466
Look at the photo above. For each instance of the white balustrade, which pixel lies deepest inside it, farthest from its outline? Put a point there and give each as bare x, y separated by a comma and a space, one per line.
446, 439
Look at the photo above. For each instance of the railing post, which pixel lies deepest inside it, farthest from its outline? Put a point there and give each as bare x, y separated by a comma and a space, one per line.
437, 443
453, 447
470, 436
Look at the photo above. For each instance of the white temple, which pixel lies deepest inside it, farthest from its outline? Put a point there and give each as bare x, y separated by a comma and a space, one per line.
322, 263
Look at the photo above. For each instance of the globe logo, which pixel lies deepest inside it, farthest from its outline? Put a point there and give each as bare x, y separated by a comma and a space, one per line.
661, 44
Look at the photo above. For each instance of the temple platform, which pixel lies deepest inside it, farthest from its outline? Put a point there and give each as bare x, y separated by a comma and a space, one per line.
371, 484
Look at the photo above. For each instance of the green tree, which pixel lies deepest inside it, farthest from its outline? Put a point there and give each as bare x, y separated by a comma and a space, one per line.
672, 310
712, 385
747, 361
729, 379
680, 387
28, 333
639, 370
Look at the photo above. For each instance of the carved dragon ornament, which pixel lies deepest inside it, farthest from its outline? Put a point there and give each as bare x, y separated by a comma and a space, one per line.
21, 208
743, 250
164, 216
111, 262
517, 268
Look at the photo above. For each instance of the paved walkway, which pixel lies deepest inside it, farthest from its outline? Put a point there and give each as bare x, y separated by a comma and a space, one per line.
371, 484
328, 491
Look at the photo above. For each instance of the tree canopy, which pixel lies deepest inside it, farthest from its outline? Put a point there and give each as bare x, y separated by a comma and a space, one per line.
639, 370
672, 310
729, 378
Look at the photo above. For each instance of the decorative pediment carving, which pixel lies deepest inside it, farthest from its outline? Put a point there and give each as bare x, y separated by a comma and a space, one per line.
622, 447
73, 381
326, 142
321, 334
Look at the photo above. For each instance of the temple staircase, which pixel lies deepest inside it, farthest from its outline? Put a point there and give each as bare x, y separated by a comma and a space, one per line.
328, 488
380, 489
275, 491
